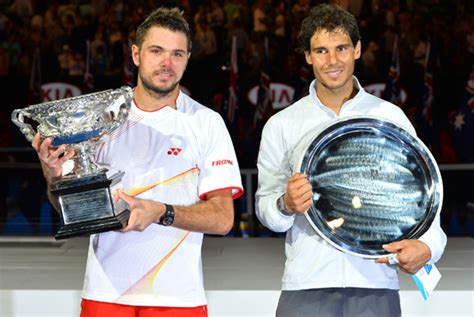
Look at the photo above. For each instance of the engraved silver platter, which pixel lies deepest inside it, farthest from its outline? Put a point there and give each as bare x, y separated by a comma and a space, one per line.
373, 183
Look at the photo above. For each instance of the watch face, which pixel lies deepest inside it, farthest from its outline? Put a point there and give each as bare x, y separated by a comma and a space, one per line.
168, 218
167, 221
373, 183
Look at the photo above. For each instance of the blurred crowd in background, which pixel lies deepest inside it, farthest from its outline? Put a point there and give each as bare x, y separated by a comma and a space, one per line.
421, 51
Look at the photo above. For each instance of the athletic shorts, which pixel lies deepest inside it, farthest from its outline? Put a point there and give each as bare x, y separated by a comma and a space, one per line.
339, 302
90, 308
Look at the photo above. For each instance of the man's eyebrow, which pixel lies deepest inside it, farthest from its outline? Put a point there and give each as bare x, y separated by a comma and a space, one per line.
325, 48
162, 48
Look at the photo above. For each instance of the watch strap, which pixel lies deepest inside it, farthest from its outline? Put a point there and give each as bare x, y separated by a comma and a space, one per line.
167, 218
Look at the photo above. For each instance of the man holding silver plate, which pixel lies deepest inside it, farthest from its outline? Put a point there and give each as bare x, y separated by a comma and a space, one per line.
343, 173
179, 177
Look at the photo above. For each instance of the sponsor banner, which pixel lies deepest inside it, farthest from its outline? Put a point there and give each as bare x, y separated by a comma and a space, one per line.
281, 95
58, 90
377, 89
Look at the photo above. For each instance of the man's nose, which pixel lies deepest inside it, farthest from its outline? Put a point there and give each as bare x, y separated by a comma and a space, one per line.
166, 59
332, 58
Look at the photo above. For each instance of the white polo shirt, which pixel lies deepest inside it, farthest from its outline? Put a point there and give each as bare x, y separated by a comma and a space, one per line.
171, 156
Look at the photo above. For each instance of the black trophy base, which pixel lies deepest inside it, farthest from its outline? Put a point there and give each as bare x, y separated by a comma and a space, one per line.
87, 205
93, 226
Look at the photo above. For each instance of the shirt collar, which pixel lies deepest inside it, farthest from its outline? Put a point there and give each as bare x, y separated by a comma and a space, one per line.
315, 98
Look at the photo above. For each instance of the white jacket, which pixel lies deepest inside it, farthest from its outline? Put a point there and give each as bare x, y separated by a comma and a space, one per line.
310, 261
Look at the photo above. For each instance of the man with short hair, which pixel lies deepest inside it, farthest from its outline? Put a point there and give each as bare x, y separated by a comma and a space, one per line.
181, 175
319, 280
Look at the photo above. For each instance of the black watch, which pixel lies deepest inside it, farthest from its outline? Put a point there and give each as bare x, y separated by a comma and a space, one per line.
168, 217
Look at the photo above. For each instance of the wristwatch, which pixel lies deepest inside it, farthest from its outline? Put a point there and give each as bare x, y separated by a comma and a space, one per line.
168, 217
281, 206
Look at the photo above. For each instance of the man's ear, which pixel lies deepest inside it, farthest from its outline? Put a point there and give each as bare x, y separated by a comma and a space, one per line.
357, 50
136, 55
307, 55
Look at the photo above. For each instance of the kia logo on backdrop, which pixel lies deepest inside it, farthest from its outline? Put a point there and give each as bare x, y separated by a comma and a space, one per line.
56, 91
282, 95
378, 89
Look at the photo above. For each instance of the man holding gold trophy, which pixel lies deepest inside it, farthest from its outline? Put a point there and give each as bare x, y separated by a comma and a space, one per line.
165, 153
343, 174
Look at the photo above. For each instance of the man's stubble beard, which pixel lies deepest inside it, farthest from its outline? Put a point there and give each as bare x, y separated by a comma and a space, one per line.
340, 86
156, 90
333, 87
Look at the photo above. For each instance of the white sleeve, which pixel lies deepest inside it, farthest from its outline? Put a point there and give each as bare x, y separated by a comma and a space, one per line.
219, 167
435, 239
395, 114
273, 172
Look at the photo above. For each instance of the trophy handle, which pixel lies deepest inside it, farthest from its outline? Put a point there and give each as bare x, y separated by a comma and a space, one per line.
26, 129
118, 112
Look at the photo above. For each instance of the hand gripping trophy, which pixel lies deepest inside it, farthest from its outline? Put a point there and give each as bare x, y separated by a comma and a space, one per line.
85, 195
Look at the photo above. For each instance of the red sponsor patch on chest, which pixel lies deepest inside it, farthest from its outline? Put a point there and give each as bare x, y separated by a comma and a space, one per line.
222, 162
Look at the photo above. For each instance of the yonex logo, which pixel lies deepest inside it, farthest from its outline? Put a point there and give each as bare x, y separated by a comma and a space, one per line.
174, 151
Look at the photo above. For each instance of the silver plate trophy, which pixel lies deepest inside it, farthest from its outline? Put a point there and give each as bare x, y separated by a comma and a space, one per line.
373, 183
85, 195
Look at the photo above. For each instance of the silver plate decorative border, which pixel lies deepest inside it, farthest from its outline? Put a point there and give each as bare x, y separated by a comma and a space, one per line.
320, 138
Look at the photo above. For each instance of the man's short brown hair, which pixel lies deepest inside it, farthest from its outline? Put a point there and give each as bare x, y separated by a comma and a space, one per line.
168, 18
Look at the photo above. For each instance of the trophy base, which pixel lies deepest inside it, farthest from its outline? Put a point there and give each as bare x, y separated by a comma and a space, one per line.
93, 226
87, 205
